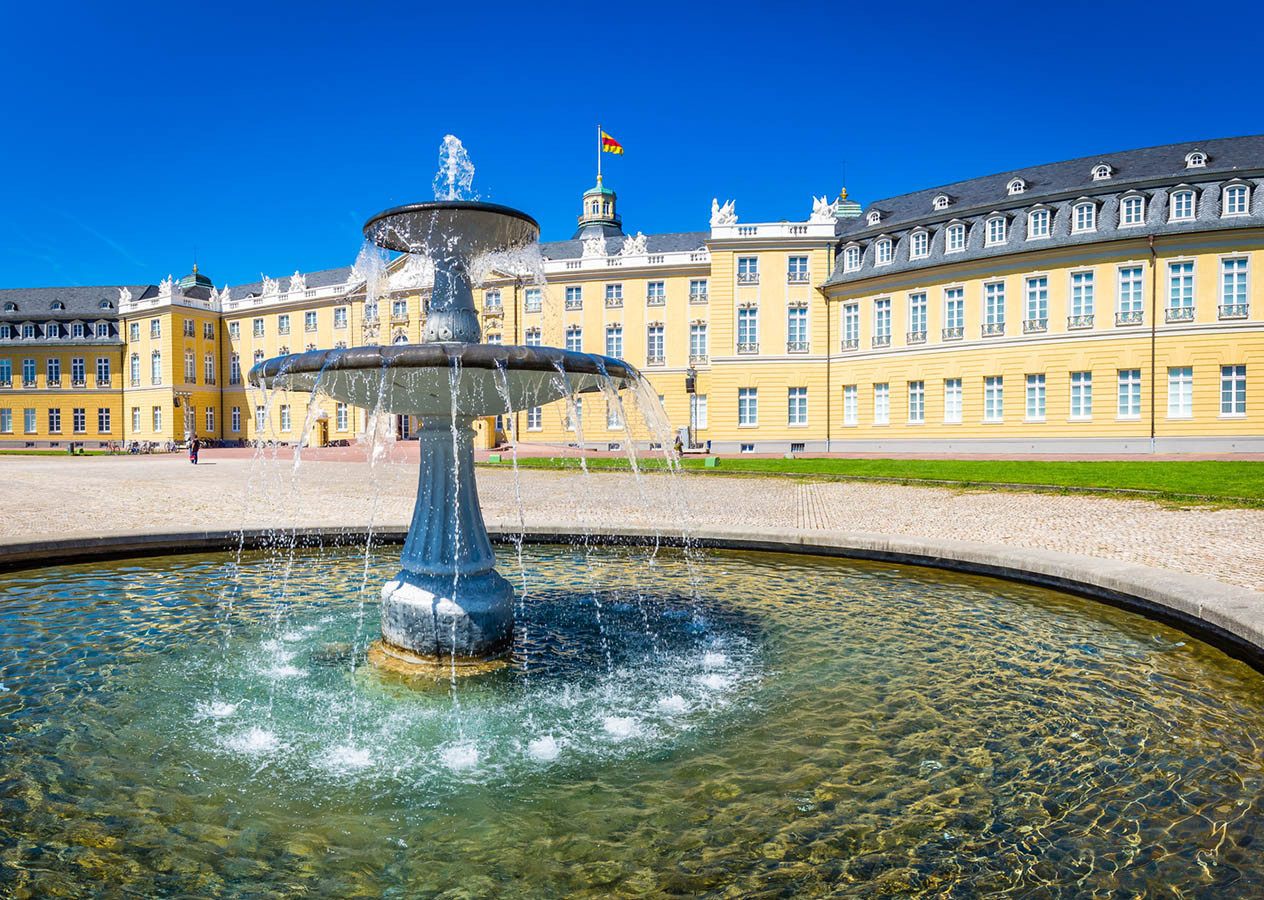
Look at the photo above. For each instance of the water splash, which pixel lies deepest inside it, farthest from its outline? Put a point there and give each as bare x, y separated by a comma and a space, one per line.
456, 172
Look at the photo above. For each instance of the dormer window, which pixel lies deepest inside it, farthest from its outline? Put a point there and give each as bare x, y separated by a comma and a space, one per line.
76, 329
995, 233
874, 217
1183, 206
955, 238
1084, 217
1131, 211
1195, 159
57, 305
51, 330
919, 245
882, 252
1017, 186
1236, 200
851, 258
941, 202
1038, 224
10, 307
106, 304
1102, 172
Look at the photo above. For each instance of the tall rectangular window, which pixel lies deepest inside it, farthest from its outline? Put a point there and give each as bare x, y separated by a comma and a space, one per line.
993, 398
257, 329
1081, 293
656, 293
956, 239
155, 368
135, 419
53, 369
1037, 309
1129, 393
919, 245
655, 350
996, 230
882, 322
133, 332
952, 401
103, 420
155, 328
283, 323
28, 421
797, 329
698, 290
881, 404
155, 418
1132, 211
6, 372
78, 370
54, 421
851, 326
1180, 285
79, 420
1233, 296
234, 330
748, 270
1182, 206
236, 418
797, 269
955, 309
851, 405
535, 419
614, 341
698, 411
1036, 398
190, 376
492, 300
748, 330
533, 299
340, 417
1233, 390
309, 318
6, 421
1235, 200
698, 342
1081, 395
260, 420
747, 406
614, 294
210, 419
1130, 290
340, 317
285, 417
28, 372
1180, 392
534, 337
994, 303
1038, 224
614, 416
574, 338
917, 313
797, 406
103, 371
916, 402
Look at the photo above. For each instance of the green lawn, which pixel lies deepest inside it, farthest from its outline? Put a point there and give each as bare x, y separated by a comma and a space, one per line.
1239, 483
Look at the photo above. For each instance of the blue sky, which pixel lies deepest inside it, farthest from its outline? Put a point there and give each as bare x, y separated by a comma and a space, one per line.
265, 134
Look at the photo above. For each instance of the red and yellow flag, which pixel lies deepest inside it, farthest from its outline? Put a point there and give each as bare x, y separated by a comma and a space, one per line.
610, 145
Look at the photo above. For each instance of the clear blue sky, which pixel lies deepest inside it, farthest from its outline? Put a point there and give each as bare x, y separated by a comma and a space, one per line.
265, 134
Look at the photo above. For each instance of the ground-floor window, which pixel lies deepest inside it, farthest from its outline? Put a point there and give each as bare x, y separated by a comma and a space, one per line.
340, 417
851, 405
1233, 390
103, 420
698, 411
210, 419
157, 419
614, 416
285, 417
797, 410
135, 419
747, 406
54, 420
6, 421
952, 401
28, 421
535, 419
1129, 393
236, 418
993, 398
916, 402
1081, 395
881, 404
1036, 398
1180, 392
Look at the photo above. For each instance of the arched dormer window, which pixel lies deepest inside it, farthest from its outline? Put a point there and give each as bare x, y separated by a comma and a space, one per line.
57, 304
1016, 186
1131, 210
996, 231
1102, 172
1183, 205
1084, 217
51, 330
1195, 159
851, 258
883, 252
941, 202
955, 238
106, 304
919, 244
10, 307
1235, 200
874, 217
1039, 223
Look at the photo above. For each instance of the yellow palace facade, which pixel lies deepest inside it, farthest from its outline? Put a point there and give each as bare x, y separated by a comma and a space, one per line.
1105, 304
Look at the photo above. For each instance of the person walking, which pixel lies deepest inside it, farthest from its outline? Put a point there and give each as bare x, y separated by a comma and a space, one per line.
194, 446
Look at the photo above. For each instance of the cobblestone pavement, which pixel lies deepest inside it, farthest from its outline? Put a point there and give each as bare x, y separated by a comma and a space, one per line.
63, 496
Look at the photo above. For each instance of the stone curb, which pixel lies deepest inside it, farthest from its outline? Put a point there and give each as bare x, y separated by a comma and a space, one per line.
1228, 616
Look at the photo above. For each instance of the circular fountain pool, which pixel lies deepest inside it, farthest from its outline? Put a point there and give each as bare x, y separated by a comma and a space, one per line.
723, 725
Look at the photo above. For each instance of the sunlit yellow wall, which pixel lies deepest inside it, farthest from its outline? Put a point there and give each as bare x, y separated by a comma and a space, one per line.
42, 397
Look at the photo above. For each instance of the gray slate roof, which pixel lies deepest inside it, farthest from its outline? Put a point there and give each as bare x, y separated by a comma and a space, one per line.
35, 304
323, 278
655, 243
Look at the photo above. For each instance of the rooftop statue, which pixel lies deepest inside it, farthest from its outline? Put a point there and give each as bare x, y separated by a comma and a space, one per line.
297, 282
270, 285
124, 295
166, 286
595, 246
822, 209
633, 246
722, 215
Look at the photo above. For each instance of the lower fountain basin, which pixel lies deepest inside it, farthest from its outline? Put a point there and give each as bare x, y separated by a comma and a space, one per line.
203, 725
444, 378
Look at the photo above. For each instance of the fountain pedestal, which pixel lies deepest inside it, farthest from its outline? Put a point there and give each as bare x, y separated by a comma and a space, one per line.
448, 604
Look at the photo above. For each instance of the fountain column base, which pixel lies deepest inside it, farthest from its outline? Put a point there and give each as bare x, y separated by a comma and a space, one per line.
466, 620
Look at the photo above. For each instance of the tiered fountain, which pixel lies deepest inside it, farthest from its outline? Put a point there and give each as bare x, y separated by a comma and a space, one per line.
448, 605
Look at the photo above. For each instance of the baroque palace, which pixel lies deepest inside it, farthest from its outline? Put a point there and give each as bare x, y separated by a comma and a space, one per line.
1098, 304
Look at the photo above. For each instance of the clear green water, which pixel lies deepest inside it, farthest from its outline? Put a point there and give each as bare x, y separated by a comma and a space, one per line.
199, 726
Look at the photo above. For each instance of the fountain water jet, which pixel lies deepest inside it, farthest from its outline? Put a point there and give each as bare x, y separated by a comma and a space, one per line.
448, 606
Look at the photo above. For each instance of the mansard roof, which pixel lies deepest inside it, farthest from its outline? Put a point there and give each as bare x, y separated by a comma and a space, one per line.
323, 278
84, 303
654, 243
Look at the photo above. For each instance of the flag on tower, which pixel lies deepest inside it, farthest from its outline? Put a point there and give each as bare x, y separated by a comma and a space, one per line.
610, 145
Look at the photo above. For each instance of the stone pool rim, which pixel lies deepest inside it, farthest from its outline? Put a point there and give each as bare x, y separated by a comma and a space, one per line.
1226, 616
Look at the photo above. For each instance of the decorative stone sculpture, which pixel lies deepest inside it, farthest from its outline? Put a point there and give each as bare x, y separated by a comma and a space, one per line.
166, 286
633, 246
297, 282
595, 246
822, 209
722, 215
124, 296
271, 286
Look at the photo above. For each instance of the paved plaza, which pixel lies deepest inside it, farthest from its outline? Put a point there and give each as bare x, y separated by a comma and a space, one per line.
64, 497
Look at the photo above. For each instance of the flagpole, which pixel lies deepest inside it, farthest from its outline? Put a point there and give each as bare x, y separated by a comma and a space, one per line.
599, 154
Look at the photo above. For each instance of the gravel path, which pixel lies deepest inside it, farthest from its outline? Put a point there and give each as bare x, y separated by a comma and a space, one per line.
61, 496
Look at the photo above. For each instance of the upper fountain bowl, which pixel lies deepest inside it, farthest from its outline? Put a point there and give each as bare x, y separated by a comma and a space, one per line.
462, 227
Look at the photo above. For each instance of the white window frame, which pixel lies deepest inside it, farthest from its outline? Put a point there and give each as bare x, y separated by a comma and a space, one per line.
1043, 216
851, 404
1128, 206
1035, 396
1084, 217
851, 258
1180, 392
996, 232
919, 245
1081, 396
951, 234
1128, 395
954, 401
1233, 391
883, 252
1229, 207
917, 403
882, 403
1015, 187
993, 399
797, 407
748, 407
1177, 200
